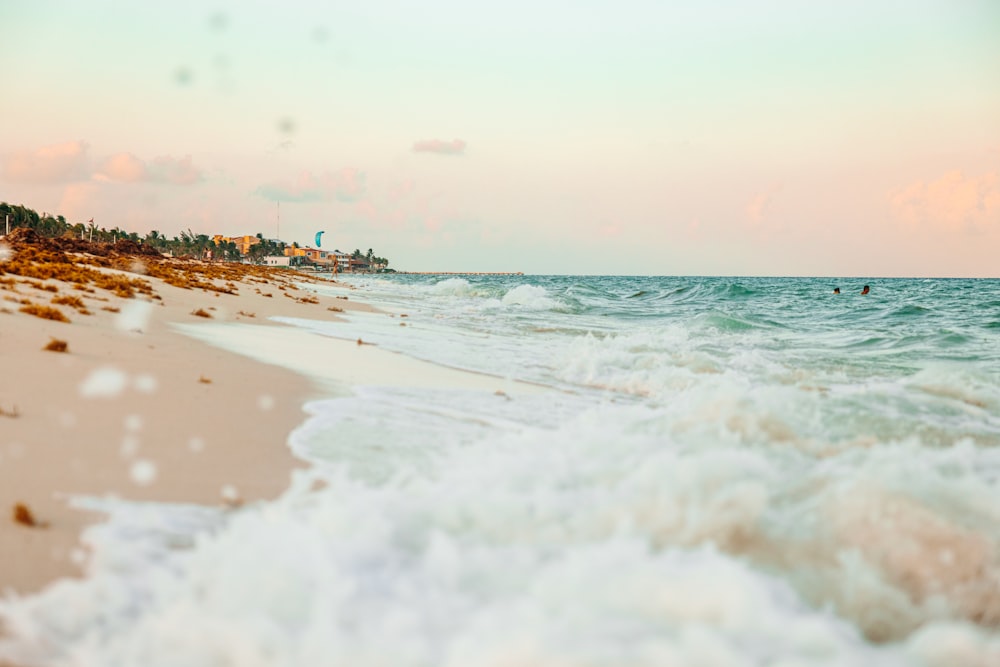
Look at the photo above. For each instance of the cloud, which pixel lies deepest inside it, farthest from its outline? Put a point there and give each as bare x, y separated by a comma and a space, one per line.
759, 207
953, 201
58, 163
347, 185
79, 201
440, 147
127, 168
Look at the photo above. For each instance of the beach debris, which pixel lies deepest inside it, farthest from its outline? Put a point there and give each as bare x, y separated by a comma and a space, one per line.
246, 314
105, 382
56, 345
360, 342
11, 413
111, 309
41, 286
402, 324
403, 315
71, 301
23, 515
341, 297
143, 472
202, 313
205, 380
267, 294
308, 299
335, 309
44, 312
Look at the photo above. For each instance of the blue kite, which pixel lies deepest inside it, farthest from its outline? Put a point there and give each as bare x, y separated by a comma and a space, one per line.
318, 235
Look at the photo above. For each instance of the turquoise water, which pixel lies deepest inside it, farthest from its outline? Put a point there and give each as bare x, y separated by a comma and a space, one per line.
723, 471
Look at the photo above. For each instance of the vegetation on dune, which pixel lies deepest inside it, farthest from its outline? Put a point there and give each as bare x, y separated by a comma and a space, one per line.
186, 245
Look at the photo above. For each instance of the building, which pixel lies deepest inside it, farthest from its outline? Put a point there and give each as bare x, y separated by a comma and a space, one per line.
342, 260
243, 243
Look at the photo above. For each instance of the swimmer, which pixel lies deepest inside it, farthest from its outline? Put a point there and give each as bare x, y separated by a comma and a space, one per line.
836, 290
864, 290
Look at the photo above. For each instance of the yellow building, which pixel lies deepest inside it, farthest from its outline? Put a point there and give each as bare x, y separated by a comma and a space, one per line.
243, 243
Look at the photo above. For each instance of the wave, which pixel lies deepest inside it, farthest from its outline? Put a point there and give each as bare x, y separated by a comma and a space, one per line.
531, 297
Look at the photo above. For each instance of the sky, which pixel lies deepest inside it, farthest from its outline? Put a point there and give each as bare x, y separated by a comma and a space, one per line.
725, 137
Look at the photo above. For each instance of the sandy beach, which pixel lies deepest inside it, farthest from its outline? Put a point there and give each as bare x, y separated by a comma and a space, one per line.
135, 409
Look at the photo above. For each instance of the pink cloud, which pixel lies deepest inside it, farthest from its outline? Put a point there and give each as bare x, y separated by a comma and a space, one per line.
401, 190
953, 201
123, 167
346, 185
759, 207
174, 171
58, 163
440, 147
79, 201
127, 168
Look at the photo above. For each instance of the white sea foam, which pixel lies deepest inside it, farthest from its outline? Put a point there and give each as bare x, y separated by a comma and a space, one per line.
707, 494
452, 287
530, 296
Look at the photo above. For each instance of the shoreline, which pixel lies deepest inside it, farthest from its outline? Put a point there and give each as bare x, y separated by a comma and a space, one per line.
154, 402
137, 409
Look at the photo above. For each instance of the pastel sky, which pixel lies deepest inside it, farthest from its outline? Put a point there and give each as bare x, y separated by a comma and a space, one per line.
725, 137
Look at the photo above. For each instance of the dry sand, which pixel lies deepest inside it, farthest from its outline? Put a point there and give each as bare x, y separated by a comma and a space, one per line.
201, 421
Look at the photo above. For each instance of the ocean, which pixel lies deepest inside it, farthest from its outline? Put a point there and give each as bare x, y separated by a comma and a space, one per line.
722, 472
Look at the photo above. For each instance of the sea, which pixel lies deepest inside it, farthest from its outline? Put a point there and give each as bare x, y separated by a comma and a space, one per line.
716, 472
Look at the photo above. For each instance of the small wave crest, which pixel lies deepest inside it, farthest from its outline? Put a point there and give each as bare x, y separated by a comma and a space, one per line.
530, 297
452, 287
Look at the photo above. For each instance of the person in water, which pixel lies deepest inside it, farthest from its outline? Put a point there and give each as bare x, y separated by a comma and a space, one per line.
864, 290
836, 290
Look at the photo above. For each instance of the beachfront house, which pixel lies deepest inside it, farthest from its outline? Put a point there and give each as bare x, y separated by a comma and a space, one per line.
342, 261
309, 255
243, 243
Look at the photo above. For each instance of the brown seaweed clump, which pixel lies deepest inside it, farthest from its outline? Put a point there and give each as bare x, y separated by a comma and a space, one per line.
44, 312
201, 312
56, 345
22, 514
